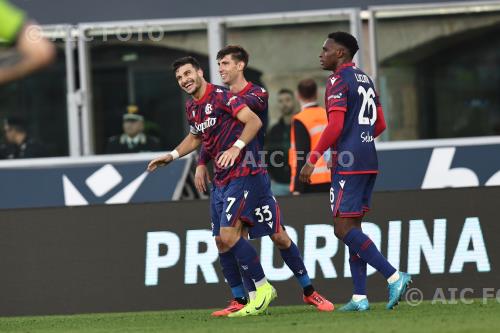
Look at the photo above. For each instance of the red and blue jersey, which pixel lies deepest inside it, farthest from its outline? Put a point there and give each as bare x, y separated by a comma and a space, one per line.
351, 91
256, 98
213, 117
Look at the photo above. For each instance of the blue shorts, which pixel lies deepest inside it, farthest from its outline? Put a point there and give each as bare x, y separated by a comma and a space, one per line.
350, 195
248, 199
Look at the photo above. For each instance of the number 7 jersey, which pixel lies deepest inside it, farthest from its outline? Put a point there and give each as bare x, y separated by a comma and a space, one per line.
351, 91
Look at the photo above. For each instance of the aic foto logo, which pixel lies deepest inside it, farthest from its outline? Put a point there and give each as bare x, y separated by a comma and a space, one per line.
164, 248
101, 182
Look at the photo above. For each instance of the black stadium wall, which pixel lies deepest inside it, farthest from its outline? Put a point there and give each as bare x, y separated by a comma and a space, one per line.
162, 256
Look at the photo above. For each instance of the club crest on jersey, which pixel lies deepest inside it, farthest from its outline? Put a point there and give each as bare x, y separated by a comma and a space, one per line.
206, 124
208, 109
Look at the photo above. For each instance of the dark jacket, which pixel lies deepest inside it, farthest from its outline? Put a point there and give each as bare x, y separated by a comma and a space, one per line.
278, 140
30, 148
143, 143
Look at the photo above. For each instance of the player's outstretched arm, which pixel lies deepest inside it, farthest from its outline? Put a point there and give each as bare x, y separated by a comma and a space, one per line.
190, 143
252, 125
34, 52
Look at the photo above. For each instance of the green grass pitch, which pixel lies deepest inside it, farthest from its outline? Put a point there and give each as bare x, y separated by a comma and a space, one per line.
425, 318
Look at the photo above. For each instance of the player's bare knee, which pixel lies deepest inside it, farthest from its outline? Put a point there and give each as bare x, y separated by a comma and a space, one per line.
229, 237
339, 228
339, 233
281, 240
219, 244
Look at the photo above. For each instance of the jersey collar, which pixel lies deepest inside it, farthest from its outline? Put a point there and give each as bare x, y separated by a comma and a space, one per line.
210, 88
246, 89
349, 64
309, 105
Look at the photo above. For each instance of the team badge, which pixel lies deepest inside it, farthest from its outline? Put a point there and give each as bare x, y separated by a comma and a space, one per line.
208, 109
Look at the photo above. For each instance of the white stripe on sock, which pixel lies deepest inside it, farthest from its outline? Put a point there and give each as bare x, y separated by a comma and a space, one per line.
357, 298
393, 278
260, 283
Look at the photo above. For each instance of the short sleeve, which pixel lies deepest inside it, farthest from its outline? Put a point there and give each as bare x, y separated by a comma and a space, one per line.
11, 22
192, 125
193, 130
234, 104
257, 100
336, 94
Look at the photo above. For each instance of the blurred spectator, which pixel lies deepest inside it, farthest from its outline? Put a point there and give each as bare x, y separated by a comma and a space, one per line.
133, 139
18, 143
32, 51
278, 143
307, 127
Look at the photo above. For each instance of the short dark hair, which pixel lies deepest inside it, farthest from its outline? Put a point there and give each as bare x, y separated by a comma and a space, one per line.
307, 89
347, 40
184, 61
17, 123
237, 52
285, 91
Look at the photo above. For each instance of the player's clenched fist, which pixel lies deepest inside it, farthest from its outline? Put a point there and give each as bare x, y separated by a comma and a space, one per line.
159, 162
228, 157
201, 178
306, 172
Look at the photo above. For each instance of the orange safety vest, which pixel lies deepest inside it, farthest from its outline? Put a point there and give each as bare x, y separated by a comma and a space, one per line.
315, 121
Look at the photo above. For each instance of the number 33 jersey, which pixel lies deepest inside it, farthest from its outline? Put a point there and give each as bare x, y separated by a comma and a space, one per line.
351, 91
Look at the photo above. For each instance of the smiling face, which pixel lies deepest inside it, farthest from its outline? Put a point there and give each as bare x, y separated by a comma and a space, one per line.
189, 78
230, 69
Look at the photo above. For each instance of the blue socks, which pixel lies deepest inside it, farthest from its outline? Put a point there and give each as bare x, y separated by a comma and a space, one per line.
358, 273
232, 274
248, 260
363, 246
294, 261
248, 283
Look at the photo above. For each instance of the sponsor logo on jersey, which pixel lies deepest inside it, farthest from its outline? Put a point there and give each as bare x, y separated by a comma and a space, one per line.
206, 124
332, 80
342, 183
218, 90
337, 96
366, 137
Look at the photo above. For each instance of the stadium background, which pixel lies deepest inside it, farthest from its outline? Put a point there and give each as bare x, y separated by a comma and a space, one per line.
437, 68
